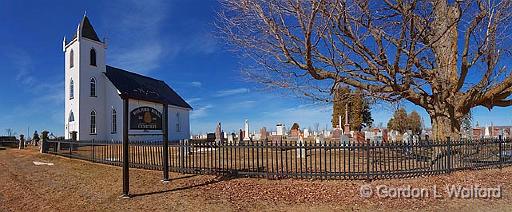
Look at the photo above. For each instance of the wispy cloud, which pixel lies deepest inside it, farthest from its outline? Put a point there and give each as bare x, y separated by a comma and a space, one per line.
136, 30
304, 112
241, 105
231, 92
192, 100
196, 84
139, 40
200, 112
200, 43
23, 64
44, 94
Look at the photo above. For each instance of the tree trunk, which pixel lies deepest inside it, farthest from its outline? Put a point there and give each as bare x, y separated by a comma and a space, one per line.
445, 123
443, 112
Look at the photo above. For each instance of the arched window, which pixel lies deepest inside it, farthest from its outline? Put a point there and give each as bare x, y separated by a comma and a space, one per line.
71, 59
114, 121
71, 89
93, 57
178, 122
93, 122
93, 87
71, 117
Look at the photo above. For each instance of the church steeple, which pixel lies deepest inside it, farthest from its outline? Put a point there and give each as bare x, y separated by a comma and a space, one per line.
86, 30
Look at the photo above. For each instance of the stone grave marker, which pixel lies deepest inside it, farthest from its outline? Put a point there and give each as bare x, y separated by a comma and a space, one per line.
301, 151
344, 139
22, 142
218, 134
336, 133
231, 138
263, 134
320, 140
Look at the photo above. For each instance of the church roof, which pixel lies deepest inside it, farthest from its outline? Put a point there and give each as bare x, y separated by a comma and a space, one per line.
136, 86
87, 30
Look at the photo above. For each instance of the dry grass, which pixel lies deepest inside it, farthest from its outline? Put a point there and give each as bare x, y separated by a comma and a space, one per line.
77, 185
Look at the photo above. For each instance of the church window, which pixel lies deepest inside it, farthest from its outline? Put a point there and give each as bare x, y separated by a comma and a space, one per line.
93, 57
114, 121
178, 122
71, 59
93, 87
71, 89
71, 117
93, 122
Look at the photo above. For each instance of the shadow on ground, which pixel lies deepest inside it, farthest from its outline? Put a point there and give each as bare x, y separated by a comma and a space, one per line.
213, 181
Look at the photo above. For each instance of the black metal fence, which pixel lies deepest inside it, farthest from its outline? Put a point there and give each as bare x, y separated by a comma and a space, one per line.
329, 160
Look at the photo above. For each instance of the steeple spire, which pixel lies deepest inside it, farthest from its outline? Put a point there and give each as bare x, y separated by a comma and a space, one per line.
86, 30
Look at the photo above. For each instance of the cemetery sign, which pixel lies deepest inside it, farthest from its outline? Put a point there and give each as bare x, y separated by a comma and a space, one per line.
145, 118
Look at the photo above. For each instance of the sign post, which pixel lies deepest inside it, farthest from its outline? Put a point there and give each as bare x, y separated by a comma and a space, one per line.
126, 173
165, 130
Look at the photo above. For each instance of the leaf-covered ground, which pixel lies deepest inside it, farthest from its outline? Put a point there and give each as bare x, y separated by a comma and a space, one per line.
75, 185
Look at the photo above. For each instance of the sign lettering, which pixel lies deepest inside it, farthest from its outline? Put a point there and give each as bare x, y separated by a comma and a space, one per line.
145, 118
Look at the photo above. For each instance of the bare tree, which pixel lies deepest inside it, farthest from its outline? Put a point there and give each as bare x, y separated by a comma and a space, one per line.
445, 56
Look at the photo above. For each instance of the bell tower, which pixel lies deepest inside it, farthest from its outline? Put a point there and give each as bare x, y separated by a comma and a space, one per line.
84, 66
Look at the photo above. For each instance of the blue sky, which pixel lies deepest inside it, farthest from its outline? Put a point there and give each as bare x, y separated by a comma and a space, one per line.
170, 40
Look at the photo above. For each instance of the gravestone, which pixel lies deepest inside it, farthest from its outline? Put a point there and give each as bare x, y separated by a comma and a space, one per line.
415, 139
246, 133
35, 138
301, 151
241, 137
231, 138
336, 133
320, 140
44, 142
277, 138
345, 140
393, 136
210, 137
406, 138
358, 137
306, 133
218, 134
22, 142
263, 134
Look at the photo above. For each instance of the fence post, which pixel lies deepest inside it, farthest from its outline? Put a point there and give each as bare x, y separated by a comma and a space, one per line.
182, 157
449, 145
165, 151
126, 165
500, 148
368, 159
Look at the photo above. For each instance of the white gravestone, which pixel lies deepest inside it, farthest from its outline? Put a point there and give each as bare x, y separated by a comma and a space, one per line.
231, 138
415, 139
246, 134
301, 151
320, 140
344, 139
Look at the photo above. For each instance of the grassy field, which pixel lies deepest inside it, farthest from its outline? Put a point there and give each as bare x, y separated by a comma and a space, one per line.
82, 186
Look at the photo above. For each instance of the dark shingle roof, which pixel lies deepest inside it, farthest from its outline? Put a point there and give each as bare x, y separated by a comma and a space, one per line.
136, 86
87, 30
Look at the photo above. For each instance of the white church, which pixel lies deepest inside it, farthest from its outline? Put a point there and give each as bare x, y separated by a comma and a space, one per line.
96, 96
